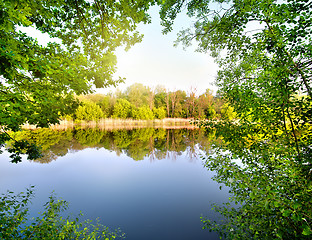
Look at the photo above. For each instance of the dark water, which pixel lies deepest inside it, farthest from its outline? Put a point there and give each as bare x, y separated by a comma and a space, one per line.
160, 195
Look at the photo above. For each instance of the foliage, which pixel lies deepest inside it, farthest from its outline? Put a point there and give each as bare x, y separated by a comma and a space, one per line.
137, 143
160, 96
144, 113
227, 112
267, 181
263, 64
107, 105
37, 83
123, 109
264, 52
50, 224
89, 111
138, 94
159, 113
210, 113
175, 104
206, 107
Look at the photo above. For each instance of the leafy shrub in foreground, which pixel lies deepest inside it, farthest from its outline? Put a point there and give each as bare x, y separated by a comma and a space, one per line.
50, 224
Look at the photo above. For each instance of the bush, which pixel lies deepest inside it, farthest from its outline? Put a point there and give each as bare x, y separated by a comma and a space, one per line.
210, 113
143, 113
227, 112
89, 111
49, 224
159, 113
123, 109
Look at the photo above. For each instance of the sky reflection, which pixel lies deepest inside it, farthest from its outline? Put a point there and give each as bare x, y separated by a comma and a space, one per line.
147, 199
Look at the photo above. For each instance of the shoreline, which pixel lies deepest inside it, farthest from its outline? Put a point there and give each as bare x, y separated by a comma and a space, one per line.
112, 124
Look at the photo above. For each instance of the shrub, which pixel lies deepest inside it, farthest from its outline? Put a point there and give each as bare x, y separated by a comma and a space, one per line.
143, 113
123, 109
14, 223
227, 112
89, 111
159, 113
210, 113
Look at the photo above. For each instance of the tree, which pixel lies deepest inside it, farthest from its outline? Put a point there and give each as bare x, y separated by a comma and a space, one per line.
37, 82
264, 52
123, 109
273, 192
89, 111
206, 105
192, 103
227, 112
159, 113
180, 108
209, 112
167, 99
262, 64
138, 94
151, 98
160, 96
173, 99
107, 105
143, 113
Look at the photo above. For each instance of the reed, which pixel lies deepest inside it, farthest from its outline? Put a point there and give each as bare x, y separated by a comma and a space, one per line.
112, 123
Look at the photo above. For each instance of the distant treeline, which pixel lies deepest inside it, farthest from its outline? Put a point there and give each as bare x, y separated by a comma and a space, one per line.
141, 102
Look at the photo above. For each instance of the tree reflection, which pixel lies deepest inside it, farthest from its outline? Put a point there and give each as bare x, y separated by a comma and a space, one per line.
141, 143
269, 182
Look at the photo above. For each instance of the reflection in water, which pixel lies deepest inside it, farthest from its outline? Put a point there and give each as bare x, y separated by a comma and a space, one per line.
162, 200
155, 143
270, 181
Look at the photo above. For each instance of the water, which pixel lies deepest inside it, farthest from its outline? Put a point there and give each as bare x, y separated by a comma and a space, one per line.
154, 198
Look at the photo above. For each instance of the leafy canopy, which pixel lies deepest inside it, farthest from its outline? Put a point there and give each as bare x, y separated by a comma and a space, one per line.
37, 82
264, 52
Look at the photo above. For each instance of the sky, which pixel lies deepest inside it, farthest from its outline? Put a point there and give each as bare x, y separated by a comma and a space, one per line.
155, 61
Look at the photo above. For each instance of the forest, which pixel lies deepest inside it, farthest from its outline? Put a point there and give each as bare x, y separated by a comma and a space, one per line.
142, 102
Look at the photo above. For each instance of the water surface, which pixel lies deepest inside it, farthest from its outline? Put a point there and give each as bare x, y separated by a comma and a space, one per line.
154, 187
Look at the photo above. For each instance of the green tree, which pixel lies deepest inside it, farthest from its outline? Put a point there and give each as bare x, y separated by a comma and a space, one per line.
38, 82
192, 104
209, 112
227, 112
138, 94
265, 63
160, 96
143, 113
89, 111
272, 190
264, 52
123, 109
177, 100
206, 105
159, 113
180, 106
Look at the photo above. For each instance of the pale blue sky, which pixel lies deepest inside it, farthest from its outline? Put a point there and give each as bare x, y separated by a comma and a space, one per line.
156, 61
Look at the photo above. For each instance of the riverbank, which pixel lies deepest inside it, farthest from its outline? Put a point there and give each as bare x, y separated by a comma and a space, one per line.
111, 123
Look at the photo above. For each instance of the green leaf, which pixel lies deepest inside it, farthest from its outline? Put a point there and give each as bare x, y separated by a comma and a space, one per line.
306, 230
